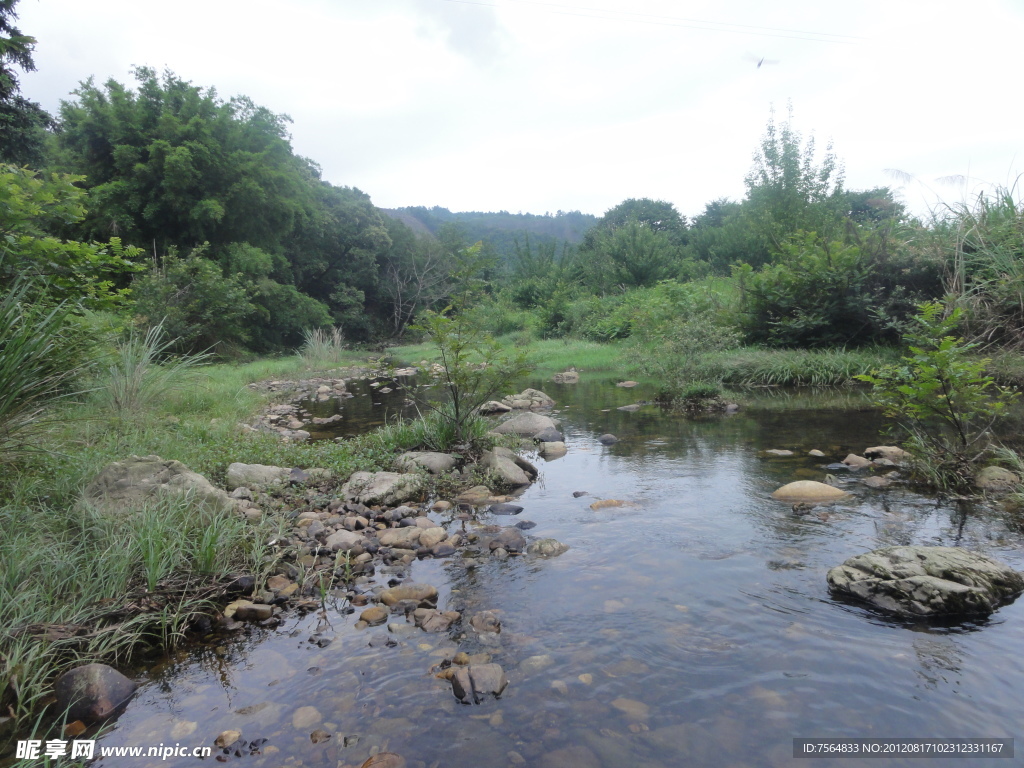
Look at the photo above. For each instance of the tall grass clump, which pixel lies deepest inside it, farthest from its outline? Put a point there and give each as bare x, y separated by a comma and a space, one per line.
141, 373
984, 244
81, 584
322, 348
35, 366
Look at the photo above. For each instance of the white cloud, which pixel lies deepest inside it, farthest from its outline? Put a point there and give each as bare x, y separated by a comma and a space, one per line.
570, 104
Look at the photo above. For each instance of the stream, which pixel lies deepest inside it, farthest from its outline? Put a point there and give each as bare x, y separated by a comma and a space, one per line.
691, 626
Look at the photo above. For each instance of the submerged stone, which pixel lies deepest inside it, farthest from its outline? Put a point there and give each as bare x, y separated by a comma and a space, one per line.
92, 692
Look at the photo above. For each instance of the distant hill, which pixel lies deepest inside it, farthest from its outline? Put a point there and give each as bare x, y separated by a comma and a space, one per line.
501, 228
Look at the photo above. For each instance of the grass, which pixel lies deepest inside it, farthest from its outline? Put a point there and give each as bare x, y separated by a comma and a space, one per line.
137, 378
322, 348
546, 355
755, 366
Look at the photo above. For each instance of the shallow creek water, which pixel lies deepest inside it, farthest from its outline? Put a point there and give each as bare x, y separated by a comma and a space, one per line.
693, 627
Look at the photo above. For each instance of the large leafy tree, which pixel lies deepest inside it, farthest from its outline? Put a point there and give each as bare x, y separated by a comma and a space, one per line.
172, 167
23, 123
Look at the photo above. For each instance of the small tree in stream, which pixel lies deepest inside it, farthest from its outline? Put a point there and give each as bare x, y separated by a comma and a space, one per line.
474, 367
941, 399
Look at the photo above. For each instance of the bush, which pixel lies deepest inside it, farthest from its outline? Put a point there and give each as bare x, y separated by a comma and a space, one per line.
141, 374
941, 399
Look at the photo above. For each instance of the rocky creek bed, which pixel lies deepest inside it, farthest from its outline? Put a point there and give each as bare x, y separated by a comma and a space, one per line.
688, 620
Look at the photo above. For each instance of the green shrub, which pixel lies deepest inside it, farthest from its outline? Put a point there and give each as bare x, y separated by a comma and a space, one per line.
941, 400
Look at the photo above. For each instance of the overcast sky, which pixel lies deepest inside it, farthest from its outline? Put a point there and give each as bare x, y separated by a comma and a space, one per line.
577, 104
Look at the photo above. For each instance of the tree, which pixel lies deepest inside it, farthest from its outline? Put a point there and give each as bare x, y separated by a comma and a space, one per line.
32, 206
788, 191
23, 123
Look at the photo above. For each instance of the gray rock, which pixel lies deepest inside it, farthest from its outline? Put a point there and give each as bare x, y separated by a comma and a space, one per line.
435, 463
92, 692
506, 469
996, 479
242, 493
343, 541
529, 398
853, 461
893, 453
927, 581
510, 539
259, 476
547, 548
383, 488
549, 435
431, 537
494, 407
407, 537
566, 377
505, 509
552, 450
526, 425
629, 408
607, 439
486, 621
138, 480
473, 683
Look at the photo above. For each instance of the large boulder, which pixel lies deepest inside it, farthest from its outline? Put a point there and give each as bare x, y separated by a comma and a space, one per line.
927, 581
387, 488
255, 476
435, 463
528, 399
996, 479
808, 490
92, 692
526, 425
139, 480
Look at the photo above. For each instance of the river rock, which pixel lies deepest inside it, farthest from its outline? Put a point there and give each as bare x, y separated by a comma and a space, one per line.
816, 453
853, 461
608, 439
306, 717
493, 407
778, 452
531, 665
129, 484
529, 398
548, 435
504, 468
344, 541
634, 710
547, 548
927, 581
877, 482
526, 425
423, 594
552, 450
246, 610
435, 463
407, 537
486, 621
92, 692
505, 509
431, 537
510, 539
375, 615
385, 488
632, 408
385, 760
891, 452
996, 479
808, 490
471, 684
431, 620
478, 494
626, 384
566, 377
258, 476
